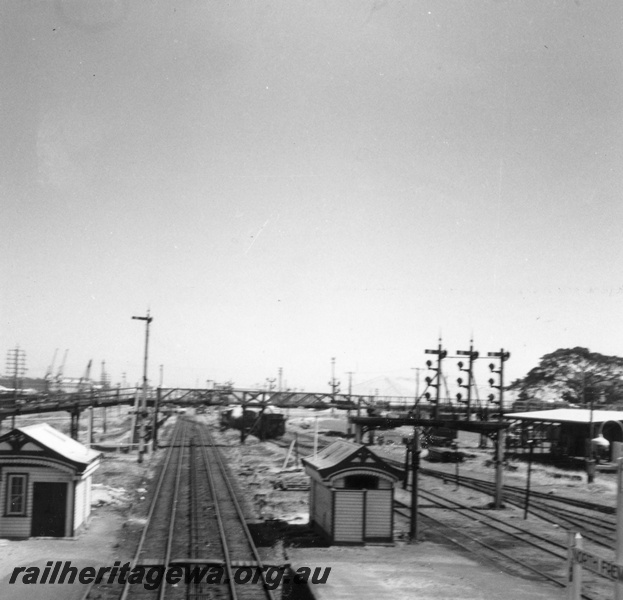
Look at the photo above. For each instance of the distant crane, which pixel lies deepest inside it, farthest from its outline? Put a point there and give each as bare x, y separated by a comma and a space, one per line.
84, 380
59, 374
48, 374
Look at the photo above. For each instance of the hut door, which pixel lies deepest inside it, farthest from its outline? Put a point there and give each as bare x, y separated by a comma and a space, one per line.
378, 515
49, 504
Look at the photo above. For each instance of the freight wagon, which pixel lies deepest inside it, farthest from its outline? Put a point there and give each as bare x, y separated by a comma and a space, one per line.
266, 424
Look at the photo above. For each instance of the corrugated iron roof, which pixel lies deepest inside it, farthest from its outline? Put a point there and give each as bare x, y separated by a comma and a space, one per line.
568, 415
332, 455
60, 443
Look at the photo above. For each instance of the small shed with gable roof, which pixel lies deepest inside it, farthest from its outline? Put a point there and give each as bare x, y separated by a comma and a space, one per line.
351, 494
45, 483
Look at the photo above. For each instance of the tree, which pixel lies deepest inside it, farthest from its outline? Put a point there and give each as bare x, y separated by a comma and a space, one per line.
576, 375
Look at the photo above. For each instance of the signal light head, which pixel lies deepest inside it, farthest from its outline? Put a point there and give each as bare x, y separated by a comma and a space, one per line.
459, 380
460, 364
429, 363
491, 398
491, 382
491, 366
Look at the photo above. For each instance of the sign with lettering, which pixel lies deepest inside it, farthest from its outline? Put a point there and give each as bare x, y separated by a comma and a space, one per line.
598, 565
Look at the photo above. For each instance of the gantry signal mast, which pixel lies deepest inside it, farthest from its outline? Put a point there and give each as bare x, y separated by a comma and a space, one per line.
435, 381
472, 356
502, 356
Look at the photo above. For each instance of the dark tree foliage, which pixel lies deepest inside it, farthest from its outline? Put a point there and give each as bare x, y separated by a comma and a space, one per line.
576, 375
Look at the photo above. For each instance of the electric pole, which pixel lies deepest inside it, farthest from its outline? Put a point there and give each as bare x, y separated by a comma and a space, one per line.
143, 408
349, 430
334, 383
16, 366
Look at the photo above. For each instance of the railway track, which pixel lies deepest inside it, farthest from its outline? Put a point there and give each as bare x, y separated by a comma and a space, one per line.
538, 547
595, 522
524, 550
196, 529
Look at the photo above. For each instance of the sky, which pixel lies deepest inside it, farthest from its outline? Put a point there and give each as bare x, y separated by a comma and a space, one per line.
281, 183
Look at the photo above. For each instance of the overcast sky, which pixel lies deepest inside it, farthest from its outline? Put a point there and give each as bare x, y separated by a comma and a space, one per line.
282, 182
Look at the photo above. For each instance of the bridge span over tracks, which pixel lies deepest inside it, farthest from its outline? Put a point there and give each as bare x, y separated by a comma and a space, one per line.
158, 400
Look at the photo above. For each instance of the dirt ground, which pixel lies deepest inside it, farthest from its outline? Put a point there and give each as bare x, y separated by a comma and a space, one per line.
425, 570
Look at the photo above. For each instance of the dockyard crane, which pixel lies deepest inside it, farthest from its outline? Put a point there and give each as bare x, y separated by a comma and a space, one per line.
48, 374
84, 380
59, 374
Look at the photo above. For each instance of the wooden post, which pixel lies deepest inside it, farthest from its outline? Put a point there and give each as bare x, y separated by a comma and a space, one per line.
154, 428
618, 545
574, 583
415, 465
316, 436
90, 427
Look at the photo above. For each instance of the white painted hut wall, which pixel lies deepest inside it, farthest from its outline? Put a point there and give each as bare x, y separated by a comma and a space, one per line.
21, 526
323, 508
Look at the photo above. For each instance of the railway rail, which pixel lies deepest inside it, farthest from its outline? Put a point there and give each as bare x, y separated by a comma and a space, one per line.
519, 548
194, 522
538, 547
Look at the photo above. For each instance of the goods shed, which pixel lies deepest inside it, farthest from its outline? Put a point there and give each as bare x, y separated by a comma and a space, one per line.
45, 483
567, 431
351, 494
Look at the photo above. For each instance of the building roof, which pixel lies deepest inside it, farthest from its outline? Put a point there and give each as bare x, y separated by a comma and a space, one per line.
568, 415
342, 455
57, 442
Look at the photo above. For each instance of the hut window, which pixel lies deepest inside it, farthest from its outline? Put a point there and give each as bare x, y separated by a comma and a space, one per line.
361, 482
16, 495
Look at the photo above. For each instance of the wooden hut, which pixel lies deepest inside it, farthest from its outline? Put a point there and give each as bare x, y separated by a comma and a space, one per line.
351, 494
45, 483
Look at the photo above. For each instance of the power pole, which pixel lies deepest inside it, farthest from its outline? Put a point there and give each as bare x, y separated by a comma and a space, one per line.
417, 383
349, 430
280, 389
143, 408
16, 366
334, 383
501, 434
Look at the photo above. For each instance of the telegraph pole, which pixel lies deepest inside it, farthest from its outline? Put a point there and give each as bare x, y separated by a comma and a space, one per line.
349, 429
501, 434
16, 364
417, 383
143, 407
334, 383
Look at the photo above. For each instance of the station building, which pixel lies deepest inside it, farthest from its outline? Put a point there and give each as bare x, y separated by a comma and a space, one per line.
567, 431
351, 494
45, 483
